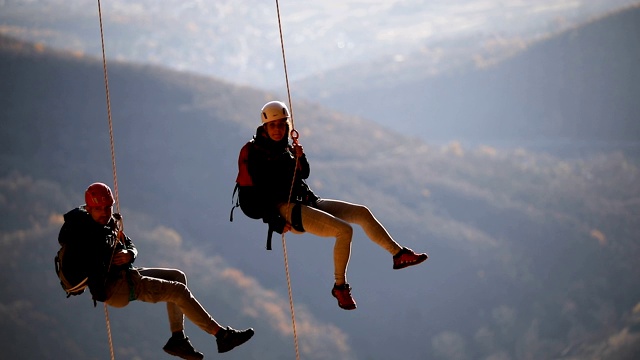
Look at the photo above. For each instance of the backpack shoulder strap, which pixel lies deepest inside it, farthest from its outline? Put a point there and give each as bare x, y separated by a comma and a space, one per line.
237, 202
269, 236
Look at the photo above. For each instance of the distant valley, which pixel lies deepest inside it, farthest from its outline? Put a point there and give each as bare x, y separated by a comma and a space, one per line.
573, 93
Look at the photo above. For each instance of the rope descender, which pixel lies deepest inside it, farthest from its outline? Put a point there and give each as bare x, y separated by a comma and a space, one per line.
294, 136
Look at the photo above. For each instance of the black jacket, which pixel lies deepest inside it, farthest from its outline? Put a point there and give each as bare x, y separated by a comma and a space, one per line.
271, 165
93, 244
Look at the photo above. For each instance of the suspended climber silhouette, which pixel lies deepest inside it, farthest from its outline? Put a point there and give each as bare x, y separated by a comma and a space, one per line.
299, 210
272, 187
94, 231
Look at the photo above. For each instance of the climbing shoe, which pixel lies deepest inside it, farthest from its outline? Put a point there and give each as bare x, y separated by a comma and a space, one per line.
228, 338
407, 257
182, 348
343, 294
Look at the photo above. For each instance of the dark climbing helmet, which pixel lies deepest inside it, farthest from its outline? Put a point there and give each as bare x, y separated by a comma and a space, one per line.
98, 194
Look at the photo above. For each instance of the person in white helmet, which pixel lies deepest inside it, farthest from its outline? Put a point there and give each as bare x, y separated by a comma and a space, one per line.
271, 163
94, 232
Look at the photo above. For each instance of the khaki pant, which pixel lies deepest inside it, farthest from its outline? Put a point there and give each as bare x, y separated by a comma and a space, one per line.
332, 218
163, 285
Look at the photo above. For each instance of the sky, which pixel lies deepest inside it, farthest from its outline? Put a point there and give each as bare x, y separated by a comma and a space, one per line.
239, 41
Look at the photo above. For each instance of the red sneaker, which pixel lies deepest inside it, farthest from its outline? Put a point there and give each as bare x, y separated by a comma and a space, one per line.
343, 294
407, 257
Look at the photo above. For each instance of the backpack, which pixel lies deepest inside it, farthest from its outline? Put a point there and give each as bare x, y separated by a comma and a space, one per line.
73, 278
248, 198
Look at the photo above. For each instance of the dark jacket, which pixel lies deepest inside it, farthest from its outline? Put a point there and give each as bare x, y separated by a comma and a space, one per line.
271, 165
93, 244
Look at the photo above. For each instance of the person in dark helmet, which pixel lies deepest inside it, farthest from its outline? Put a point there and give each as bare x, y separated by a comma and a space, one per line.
272, 162
108, 260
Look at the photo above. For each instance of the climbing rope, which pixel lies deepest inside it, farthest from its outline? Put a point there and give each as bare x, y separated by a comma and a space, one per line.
286, 75
113, 158
294, 136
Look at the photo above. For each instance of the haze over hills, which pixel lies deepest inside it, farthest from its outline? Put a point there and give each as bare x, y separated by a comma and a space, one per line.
531, 256
577, 88
239, 40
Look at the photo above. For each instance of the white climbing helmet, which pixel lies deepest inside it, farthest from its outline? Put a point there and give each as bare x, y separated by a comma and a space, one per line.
274, 110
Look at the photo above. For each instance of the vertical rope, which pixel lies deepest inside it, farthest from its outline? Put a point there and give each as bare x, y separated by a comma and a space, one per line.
284, 61
295, 139
113, 159
106, 85
293, 316
106, 316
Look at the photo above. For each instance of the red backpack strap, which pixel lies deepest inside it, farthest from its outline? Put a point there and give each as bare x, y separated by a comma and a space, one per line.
243, 178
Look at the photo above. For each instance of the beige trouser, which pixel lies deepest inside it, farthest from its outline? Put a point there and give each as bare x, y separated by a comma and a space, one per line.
163, 285
332, 218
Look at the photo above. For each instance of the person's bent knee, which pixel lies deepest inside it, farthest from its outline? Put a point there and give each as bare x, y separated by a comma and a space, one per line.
178, 276
362, 210
345, 231
181, 276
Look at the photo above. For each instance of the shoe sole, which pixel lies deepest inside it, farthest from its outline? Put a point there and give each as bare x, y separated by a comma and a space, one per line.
407, 264
186, 357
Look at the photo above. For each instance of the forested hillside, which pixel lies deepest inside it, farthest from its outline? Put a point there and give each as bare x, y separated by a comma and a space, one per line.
531, 256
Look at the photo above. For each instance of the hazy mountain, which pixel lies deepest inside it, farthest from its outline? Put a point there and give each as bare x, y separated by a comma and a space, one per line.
531, 256
239, 40
577, 87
